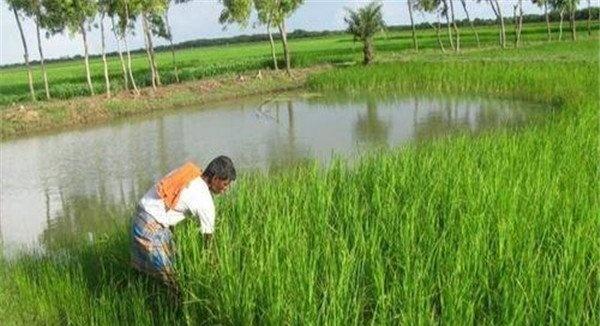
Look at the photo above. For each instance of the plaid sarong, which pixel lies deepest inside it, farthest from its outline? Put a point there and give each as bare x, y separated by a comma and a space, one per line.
151, 248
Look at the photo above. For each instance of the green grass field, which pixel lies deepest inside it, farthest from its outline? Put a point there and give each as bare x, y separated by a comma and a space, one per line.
498, 229
67, 79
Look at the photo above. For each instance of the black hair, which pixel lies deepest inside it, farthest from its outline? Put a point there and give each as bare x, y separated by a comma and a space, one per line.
220, 167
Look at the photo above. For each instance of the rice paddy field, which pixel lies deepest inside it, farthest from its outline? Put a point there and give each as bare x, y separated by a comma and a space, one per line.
67, 79
501, 228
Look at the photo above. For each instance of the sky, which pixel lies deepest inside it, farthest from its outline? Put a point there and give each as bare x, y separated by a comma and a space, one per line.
198, 19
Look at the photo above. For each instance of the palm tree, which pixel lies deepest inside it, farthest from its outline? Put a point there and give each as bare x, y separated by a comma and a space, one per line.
363, 24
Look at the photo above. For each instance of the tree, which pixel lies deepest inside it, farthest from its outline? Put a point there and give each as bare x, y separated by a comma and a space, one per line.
103, 9
560, 6
412, 24
120, 8
169, 36
498, 12
456, 31
464, 5
269, 12
282, 10
33, 9
518, 8
572, 7
363, 24
76, 16
432, 7
120, 51
16, 6
266, 12
589, 20
544, 3
151, 13
446, 13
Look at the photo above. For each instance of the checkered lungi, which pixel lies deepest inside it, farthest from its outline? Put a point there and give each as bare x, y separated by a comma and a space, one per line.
151, 248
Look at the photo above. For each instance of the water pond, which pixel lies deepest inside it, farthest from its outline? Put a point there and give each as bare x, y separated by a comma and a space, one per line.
70, 183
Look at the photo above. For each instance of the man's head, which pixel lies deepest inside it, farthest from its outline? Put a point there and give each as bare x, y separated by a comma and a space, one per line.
219, 174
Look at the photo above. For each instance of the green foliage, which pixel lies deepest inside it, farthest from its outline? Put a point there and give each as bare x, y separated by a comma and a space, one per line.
235, 11
365, 22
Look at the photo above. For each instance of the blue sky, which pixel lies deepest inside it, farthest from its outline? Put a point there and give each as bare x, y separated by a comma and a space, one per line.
199, 19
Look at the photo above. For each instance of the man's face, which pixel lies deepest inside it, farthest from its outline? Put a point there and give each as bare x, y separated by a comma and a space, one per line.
219, 186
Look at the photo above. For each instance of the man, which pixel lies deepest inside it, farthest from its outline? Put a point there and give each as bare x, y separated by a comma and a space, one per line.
185, 189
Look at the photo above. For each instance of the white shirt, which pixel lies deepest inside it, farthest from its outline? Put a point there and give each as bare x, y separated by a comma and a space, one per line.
195, 198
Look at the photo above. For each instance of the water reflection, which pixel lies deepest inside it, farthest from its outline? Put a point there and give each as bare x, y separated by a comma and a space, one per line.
284, 149
370, 128
57, 185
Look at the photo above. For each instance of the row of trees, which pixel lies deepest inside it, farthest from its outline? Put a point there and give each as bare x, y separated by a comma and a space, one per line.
78, 17
365, 22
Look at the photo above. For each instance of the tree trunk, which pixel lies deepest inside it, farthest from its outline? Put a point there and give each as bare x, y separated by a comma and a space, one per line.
589, 21
437, 33
272, 45
152, 55
42, 63
464, 5
456, 32
286, 52
146, 43
25, 55
86, 58
412, 24
547, 21
516, 20
447, 13
368, 51
135, 89
498, 11
572, 8
520, 20
103, 43
123, 68
168, 25
560, 25
131, 78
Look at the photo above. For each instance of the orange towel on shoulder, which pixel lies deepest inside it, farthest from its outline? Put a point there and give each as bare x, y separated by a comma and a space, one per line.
169, 188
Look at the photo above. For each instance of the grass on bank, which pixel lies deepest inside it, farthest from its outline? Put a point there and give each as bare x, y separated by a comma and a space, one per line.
497, 229
55, 115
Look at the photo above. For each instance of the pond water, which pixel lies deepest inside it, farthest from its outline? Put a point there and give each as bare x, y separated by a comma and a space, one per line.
67, 183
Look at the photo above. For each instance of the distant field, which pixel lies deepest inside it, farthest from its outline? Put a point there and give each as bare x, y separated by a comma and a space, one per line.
67, 79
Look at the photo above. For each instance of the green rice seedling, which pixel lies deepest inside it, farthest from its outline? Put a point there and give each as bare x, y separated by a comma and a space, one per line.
496, 229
